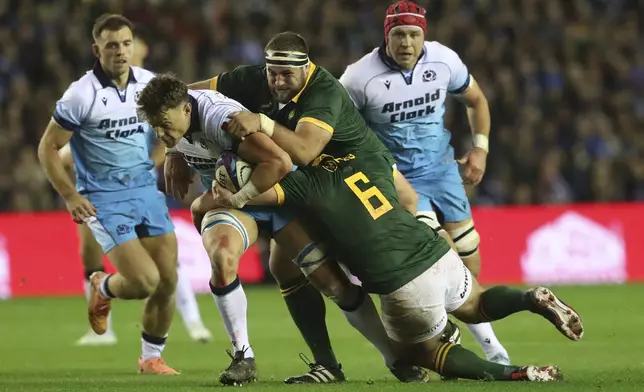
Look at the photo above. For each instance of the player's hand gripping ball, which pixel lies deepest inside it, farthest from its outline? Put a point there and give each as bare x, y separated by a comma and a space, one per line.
231, 172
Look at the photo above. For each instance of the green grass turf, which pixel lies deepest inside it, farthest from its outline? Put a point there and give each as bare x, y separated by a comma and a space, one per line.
37, 351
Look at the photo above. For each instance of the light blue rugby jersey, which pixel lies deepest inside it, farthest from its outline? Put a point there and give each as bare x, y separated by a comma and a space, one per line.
110, 142
406, 109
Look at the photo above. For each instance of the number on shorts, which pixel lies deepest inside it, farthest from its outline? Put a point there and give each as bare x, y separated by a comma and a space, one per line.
364, 196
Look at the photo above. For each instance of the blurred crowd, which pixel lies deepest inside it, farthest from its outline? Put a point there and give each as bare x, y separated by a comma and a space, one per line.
564, 79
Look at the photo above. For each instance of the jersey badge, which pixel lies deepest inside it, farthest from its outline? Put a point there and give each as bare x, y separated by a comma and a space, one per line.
429, 75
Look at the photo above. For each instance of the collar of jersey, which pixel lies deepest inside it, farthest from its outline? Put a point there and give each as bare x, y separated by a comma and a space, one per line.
105, 80
312, 69
390, 62
195, 121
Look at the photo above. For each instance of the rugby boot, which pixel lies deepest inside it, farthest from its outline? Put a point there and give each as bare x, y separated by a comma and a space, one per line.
562, 316
407, 373
318, 374
240, 371
537, 374
156, 366
98, 306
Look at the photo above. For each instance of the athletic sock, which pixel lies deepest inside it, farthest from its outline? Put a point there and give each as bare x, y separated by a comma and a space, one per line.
308, 311
104, 287
232, 304
187, 302
364, 317
151, 346
484, 335
454, 361
500, 301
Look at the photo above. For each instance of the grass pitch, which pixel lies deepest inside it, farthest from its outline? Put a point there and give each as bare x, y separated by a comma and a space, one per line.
37, 351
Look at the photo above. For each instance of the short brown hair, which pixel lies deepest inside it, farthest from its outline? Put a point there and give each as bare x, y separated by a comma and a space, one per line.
110, 22
287, 41
164, 91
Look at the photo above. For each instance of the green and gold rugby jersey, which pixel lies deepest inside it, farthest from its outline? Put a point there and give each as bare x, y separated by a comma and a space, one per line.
355, 201
323, 101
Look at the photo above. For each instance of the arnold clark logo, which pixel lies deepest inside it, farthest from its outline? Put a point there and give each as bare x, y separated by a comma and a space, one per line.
573, 249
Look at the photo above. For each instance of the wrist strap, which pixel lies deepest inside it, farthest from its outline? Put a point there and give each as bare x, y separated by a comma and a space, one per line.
245, 194
266, 125
481, 141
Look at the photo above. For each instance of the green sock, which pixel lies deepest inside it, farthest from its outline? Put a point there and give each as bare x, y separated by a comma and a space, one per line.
308, 311
454, 361
501, 301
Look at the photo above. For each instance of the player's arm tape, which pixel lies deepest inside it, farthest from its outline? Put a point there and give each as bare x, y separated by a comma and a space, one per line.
245, 194
266, 125
482, 141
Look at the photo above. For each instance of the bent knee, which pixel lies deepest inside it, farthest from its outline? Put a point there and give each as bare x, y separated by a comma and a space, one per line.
224, 253
470, 311
145, 284
466, 241
168, 280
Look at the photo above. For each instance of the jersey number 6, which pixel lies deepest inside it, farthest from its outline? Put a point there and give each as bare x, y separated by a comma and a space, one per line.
364, 196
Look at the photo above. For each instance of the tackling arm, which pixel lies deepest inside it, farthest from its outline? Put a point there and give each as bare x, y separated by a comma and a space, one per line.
268, 198
272, 163
303, 145
55, 138
208, 84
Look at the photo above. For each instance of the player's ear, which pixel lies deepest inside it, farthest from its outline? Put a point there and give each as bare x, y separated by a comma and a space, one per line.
187, 109
95, 50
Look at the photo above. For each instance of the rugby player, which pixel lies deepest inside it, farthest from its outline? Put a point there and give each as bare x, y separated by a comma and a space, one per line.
400, 88
92, 254
191, 123
349, 188
115, 193
275, 91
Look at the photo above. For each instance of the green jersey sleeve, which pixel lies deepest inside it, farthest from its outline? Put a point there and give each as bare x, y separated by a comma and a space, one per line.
293, 189
321, 106
240, 84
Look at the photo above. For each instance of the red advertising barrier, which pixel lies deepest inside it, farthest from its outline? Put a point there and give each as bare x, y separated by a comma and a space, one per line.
39, 255
579, 244
572, 244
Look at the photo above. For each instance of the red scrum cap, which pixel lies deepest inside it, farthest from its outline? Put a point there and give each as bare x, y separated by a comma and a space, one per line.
404, 13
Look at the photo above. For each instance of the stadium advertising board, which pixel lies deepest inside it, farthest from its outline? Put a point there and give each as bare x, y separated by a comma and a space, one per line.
581, 244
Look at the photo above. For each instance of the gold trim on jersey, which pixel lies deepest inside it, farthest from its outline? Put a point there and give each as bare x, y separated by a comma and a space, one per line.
280, 194
213, 83
317, 122
312, 68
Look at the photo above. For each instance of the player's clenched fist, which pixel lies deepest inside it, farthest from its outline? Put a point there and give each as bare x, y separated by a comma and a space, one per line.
221, 196
473, 166
80, 208
177, 175
242, 124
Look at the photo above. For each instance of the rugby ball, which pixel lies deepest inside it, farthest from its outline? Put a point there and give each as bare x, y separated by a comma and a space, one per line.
231, 172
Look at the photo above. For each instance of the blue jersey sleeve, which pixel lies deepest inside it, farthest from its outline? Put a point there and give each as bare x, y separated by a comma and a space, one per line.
72, 108
459, 79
